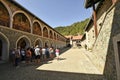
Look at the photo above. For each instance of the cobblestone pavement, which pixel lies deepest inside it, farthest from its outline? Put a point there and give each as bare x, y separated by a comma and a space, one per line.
73, 65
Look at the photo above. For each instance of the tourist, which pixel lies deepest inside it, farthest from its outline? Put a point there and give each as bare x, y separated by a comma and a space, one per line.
57, 51
43, 54
17, 57
47, 53
33, 54
37, 54
13, 56
28, 55
22, 54
51, 52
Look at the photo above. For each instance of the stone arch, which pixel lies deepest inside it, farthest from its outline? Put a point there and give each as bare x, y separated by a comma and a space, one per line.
46, 44
52, 44
37, 29
51, 34
4, 47
5, 14
23, 42
38, 42
45, 32
57, 37
21, 21
54, 35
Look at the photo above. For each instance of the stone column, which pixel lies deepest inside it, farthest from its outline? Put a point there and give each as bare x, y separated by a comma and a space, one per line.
11, 22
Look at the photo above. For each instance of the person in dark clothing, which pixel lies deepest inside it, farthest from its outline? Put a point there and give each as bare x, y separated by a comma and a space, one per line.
32, 54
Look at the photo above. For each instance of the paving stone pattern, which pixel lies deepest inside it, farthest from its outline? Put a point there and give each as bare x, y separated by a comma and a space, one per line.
78, 71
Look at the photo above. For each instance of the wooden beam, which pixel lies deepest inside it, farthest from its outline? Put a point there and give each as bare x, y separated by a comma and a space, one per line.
95, 21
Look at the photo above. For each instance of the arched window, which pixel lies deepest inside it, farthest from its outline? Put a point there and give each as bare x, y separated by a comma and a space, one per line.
37, 29
54, 36
4, 16
57, 37
51, 34
21, 22
45, 32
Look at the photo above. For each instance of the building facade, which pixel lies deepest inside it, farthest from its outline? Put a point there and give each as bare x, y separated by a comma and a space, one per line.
103, 37
21, 28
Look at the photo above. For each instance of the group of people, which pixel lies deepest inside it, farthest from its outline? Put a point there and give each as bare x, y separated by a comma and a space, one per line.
36, 54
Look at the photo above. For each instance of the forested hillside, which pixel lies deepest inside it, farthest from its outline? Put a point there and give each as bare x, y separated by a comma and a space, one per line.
74, 29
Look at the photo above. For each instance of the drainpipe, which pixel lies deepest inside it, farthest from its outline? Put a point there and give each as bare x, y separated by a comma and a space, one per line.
95, 21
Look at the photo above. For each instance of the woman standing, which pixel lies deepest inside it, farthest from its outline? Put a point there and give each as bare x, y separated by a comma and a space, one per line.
28, 55
57, 51
51, 52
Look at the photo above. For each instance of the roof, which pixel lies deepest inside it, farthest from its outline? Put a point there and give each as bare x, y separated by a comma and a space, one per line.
83, 37
68, 36
77, 37
89, 3
88, 24
74, 37
91, 18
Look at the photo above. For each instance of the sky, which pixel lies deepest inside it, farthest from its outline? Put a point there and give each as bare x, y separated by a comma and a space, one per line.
57, 12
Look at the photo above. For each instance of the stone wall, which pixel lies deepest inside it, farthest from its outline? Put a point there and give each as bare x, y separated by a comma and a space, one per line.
103, 52
110, 69
90, 36
13, 35
101, 14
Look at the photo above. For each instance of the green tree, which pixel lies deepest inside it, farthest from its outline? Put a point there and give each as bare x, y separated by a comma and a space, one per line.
74, 29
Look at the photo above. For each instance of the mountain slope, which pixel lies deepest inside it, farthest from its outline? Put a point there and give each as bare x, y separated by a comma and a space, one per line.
74, 29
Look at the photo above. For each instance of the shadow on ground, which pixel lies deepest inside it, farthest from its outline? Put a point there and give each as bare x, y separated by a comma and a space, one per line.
29, 72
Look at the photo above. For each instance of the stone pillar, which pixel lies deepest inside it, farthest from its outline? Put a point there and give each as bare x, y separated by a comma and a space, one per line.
32, 28
11, 22
42, 31
49, 34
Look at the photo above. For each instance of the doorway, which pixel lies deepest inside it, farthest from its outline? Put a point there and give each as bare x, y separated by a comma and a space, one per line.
39, 43
21, 43
1, 49
118, 44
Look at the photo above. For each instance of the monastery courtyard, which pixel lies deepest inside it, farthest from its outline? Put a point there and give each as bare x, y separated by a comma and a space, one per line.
74, 64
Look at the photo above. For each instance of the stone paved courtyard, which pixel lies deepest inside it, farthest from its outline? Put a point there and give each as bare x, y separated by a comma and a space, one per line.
73, 65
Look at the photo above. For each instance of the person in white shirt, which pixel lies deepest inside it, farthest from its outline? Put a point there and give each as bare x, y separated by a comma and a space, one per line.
57, 52
37, 54
43, 54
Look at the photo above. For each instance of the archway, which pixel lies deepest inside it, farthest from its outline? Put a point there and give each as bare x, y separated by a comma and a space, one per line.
4, 48
38, 42
23, 43
37, 29
54, 36
45, 32
51, 44
46, 44
1, 50
21, 22
51, 34
4, 16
